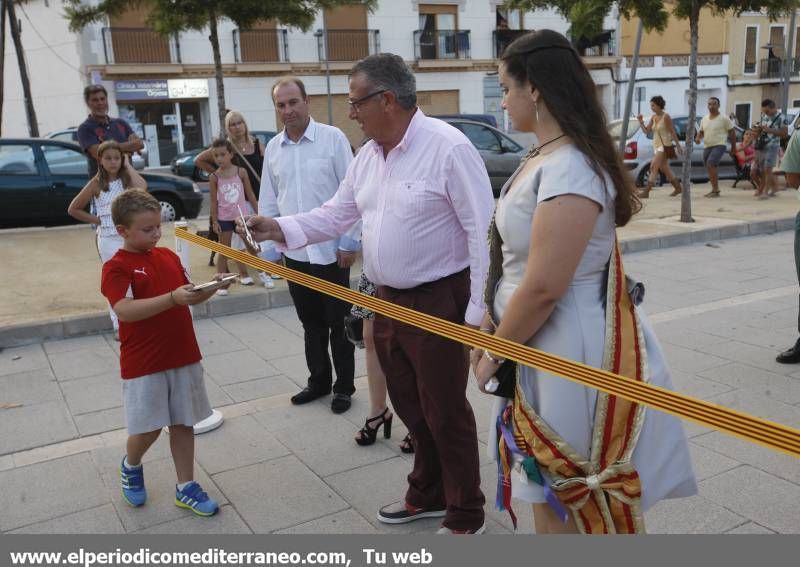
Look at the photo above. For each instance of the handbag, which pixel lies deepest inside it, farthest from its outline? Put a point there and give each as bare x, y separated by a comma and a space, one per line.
506, 375
354, 330
669, 151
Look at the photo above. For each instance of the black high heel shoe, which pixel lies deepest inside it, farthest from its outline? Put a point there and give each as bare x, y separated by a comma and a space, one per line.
368, 433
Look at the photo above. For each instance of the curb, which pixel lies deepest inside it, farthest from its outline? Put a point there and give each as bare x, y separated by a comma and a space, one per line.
96, 323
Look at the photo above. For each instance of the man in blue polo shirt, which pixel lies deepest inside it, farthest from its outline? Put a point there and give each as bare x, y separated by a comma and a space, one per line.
99, 127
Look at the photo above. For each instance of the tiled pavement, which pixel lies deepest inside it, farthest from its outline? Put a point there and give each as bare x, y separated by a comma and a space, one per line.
722, 311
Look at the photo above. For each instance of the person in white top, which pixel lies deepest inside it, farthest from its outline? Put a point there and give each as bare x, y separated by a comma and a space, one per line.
423, 193
715, 129
303, 166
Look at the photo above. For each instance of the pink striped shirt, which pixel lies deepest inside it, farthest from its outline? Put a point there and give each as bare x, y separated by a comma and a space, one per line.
426, 210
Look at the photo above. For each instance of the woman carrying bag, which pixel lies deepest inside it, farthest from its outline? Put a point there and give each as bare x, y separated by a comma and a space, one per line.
665, 146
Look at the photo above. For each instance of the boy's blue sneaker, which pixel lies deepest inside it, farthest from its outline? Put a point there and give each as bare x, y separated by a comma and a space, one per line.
193, 498
133, 490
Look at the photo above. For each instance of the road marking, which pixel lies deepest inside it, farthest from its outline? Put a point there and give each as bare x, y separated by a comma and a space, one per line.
692, 310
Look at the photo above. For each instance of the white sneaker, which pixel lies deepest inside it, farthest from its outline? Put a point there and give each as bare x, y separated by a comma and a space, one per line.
247, 280
222, 292
266, 280
447, 531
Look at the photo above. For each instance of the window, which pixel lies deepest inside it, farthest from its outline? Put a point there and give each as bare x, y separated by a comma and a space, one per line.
742, 112
65, 161
750, 49
509, 19
438, 26
777, 41
69, 136
482, 138
17, 160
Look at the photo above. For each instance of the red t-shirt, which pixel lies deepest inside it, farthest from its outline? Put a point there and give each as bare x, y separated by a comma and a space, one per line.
163, 341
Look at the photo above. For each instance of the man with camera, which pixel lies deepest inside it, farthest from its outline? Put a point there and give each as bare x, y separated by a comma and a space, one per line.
769, 131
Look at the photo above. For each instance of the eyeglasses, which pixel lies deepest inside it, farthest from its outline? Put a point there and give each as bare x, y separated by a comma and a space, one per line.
355, 104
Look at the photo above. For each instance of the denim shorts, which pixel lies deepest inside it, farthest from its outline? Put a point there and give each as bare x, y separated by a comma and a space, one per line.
227, 225
767, 157
713, 155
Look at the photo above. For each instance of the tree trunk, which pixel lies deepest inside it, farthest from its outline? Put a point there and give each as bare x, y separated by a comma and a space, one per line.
33, 125
214, 38
2, 59
686, 197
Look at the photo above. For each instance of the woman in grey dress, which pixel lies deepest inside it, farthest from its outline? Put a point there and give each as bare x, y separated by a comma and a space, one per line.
555, 223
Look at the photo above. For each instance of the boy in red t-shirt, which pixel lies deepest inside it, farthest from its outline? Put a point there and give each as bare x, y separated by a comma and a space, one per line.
159, 357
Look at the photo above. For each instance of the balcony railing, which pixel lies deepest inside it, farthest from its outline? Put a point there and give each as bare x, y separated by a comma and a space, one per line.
442, 44
260, 46
139, 45
772, 68
503, 38
347, 45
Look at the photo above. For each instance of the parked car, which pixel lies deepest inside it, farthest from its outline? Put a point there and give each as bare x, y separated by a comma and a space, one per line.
39, 178
485, 118
138, 160
639, 152
183, 163
500, 153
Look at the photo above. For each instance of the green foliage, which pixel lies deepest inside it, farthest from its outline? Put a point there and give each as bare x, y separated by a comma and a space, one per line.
170, 16
774, 8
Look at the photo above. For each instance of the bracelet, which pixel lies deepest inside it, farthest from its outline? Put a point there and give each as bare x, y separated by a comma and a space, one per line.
494, 360
172, 298
486, 330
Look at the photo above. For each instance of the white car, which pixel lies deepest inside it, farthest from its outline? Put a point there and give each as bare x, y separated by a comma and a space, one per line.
139, 159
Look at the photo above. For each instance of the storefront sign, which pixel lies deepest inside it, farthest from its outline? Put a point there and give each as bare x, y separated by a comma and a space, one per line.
170, 119
188, 88
141, 90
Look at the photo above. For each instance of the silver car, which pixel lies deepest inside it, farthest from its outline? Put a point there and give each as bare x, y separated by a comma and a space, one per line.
639, 153
501, 155
139, 159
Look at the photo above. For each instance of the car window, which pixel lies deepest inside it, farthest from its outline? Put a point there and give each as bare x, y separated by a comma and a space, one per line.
615, 129
64, 137
509, 145
680, 127
481, 137
17, 159
65, 161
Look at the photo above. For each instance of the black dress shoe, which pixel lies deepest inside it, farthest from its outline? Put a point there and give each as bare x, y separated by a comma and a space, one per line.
790, 356
307, 395
340, 403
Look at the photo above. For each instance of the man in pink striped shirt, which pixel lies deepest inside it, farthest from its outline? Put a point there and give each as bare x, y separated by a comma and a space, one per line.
426, 202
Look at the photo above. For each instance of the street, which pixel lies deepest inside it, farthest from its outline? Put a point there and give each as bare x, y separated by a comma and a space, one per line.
722, 311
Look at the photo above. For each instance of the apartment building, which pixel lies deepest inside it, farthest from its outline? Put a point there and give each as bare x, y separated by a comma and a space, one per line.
165, 87
740, 61
758, 50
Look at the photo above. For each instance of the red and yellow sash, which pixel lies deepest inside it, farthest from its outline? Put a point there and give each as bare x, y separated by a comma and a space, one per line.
602, 492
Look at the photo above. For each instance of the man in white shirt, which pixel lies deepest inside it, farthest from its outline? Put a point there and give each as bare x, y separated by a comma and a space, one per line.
303, 166
425, 198
715, 129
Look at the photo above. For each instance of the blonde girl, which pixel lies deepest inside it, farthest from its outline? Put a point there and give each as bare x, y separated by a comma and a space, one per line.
114, 175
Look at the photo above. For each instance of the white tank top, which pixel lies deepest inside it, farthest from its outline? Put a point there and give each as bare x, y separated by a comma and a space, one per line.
102, 205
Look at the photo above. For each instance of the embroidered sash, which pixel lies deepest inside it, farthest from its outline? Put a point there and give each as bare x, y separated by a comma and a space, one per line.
603, 491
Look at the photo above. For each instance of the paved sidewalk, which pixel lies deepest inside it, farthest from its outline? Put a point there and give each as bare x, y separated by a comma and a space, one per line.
722, 312
55, 272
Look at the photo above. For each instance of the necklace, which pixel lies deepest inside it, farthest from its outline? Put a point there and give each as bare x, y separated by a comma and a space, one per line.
535, 151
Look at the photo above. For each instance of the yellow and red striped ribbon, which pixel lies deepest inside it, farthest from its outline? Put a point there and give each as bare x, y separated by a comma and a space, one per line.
739, 424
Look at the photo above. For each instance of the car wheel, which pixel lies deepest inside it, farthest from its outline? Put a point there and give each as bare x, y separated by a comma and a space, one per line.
170, 209
644, 175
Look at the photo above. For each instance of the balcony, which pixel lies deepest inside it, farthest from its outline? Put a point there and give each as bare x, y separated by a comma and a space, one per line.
139, 45
503, 38
442, 44
347, 45
772, 68
260, 46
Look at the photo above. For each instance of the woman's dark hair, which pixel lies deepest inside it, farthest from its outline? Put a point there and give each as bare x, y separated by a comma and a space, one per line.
659, 101
547, 61
224, 143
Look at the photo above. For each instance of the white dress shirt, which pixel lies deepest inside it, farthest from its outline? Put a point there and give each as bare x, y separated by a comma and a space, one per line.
426, 210
300, 176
